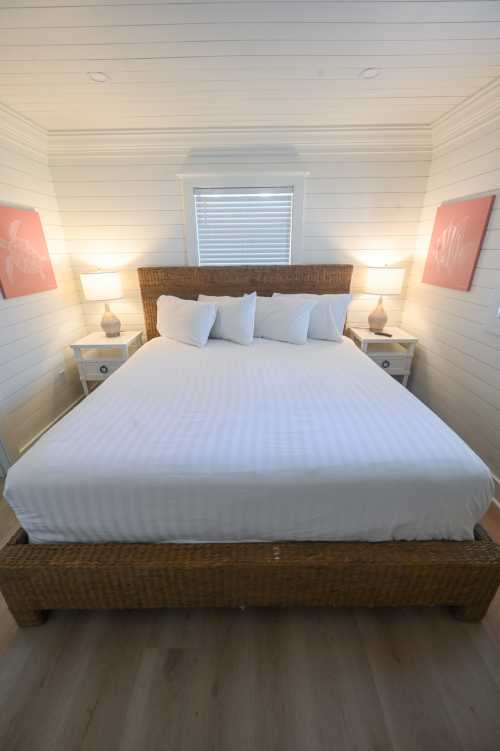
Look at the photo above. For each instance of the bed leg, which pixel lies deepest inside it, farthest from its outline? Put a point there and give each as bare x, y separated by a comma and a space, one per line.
475, 611
25, 618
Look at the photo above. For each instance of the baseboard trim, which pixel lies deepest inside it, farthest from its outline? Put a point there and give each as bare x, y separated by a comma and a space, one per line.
35, 438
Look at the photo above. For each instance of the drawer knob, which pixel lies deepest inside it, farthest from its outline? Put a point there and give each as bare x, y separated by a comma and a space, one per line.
385, 363
103, 369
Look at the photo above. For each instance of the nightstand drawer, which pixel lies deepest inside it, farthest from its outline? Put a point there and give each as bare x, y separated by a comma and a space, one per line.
394, 364
98, 356
393, 353
98, 371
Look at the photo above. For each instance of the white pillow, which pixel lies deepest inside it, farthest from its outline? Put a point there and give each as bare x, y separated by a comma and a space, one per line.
283, 320
185, 321
328, 317
235, 319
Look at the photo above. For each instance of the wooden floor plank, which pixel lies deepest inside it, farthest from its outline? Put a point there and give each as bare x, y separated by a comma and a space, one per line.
44, 647
407, 688
341, 675
108, 711
62, 686
469, 692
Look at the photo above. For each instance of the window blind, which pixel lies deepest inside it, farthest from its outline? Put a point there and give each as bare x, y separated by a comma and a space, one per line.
243, 226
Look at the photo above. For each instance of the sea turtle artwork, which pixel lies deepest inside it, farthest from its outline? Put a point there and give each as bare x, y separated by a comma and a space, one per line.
25, 265
458, 234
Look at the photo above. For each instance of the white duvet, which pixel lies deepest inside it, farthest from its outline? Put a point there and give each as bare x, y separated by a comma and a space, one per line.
228, 443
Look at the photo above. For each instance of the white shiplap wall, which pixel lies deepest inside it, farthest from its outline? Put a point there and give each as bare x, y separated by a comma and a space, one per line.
457, 368
35, 330
120, 196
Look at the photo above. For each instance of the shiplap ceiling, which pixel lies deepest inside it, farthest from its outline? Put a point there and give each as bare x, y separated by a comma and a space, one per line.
243, 63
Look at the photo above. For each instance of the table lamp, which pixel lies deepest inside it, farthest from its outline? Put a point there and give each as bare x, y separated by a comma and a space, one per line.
104, 285
381, 281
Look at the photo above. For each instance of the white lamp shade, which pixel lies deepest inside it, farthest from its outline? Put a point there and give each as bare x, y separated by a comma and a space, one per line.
384, 281
102, 285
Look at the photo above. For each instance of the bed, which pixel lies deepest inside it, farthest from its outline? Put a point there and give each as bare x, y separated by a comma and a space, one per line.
268, 475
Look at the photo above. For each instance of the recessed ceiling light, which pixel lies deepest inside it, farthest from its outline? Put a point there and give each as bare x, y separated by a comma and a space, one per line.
370, 73
98, 76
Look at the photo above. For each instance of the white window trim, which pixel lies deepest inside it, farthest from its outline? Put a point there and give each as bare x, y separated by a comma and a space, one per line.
243, 180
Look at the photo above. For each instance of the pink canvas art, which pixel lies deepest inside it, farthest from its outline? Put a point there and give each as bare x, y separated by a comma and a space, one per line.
25, 266
458, 233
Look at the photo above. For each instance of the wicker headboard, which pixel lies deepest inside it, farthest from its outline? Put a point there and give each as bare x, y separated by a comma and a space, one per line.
190, 281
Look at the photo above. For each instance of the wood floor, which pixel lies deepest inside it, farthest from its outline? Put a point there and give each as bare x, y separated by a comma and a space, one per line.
259, 680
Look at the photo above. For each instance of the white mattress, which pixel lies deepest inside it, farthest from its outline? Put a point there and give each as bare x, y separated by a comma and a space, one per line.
268, 442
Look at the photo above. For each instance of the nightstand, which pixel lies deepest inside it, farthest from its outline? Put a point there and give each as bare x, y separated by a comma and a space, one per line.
393, 354
98, 356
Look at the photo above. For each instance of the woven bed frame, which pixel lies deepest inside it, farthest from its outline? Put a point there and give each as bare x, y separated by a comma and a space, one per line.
37, 578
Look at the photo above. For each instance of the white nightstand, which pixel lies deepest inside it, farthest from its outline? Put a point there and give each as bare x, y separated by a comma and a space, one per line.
98, 355
393, 354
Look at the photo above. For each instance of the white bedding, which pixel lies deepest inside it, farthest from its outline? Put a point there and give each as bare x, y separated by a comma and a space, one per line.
267, 442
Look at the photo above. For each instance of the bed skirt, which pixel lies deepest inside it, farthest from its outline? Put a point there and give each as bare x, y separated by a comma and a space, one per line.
35, 579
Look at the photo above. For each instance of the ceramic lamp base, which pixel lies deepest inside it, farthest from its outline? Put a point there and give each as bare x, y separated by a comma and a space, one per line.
377, 318
110, 324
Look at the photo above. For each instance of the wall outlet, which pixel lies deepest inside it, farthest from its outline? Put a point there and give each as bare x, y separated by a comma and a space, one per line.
61, 376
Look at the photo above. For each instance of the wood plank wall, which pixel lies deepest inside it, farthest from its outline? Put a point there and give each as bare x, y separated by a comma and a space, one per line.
121, 204
234, 64
457, 369
37, 376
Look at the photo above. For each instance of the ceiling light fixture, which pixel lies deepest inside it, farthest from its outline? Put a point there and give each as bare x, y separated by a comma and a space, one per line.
370, 73
98, 76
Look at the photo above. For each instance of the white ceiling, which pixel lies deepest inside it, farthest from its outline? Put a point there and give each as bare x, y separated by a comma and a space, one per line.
243, 62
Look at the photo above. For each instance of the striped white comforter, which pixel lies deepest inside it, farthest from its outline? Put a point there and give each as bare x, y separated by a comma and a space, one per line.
267, 442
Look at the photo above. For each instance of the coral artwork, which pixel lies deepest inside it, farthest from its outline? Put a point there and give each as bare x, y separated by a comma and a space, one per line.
458, 234
25, 265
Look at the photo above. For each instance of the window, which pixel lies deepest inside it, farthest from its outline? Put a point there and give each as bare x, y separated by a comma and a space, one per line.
243, 221
237, 226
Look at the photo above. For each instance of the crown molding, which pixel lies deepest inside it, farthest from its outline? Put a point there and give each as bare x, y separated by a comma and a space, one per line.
22, 133
119, 143
479, 111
